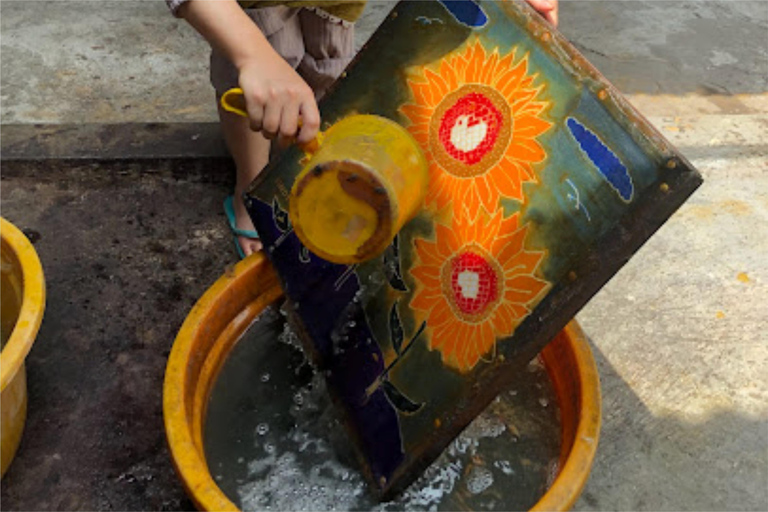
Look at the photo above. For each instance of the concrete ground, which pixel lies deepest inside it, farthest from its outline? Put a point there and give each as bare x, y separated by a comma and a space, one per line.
130, 234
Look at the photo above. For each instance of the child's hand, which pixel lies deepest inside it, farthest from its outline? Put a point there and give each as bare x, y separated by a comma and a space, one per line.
547, 8
278, 99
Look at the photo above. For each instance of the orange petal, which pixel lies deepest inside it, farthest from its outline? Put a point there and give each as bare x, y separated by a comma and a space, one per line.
425, 300
528, 81
460, 65
526, 149
475, 66
463, 345
510, 224
427, 274
519, 296
526, 170
467, 200
488, 195
532, 108
489, 66
428, 253
475, 224
417, 113
522, 263
503, 68
448, 241
438, 182
449, 75
440, 314
439, 86
472, 356
420, 132
514, 313
487, 338
434, 341
520, 98
529, 126
508, 180
513, 246
510, 82
529, 285
491, 231
518, 312
502, 322
422, 92
447, 339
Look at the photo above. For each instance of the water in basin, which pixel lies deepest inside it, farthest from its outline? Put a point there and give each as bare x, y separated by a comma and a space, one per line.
273, 439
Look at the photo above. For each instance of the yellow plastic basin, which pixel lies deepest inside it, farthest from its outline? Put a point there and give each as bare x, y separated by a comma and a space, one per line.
229, 307
22, 304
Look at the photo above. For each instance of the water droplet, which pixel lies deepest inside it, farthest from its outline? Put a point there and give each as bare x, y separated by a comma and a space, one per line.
269, 448
265, 377
479, 479
504, 466
298, 398
262, 429
543, 401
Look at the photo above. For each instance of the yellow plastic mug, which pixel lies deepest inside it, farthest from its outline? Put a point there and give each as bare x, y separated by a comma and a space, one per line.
364, 179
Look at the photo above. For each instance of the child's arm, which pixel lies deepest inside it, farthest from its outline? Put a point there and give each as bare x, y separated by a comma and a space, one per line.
276, 96
547, 8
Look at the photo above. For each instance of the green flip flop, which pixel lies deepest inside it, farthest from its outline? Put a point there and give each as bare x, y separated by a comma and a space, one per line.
229, 210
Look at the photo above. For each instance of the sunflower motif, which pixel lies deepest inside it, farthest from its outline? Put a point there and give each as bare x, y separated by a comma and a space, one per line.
475, 283
477, 120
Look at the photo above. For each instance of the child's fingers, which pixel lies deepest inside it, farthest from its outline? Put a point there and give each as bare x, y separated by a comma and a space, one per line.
289, 120
255, 115
547, 8
310, 121
553, 17
270, 126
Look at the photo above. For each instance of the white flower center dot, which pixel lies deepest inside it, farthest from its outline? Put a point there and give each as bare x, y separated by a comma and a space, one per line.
470, 284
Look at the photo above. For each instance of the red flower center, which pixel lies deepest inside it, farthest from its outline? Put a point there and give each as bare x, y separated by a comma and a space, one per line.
474, 283
470, 128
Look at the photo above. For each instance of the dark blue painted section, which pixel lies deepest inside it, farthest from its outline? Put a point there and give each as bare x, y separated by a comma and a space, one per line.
605, 160
326, 297
466, 12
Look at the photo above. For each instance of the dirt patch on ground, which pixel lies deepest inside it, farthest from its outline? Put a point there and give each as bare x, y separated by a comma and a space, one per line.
126, 249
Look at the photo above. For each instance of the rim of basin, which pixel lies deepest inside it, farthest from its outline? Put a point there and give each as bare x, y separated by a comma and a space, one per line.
229, 307
18, 253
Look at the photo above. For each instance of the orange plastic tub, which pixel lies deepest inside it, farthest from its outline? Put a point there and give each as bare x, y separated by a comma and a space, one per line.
23, 303
229, 307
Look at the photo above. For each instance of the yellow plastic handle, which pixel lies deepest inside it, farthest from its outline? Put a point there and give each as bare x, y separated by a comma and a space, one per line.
234, 101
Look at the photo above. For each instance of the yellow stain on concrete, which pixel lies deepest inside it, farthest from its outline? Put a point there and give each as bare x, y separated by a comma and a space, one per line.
743, 277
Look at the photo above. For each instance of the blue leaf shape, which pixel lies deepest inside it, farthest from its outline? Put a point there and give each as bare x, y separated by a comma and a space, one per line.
466, 12
605, 160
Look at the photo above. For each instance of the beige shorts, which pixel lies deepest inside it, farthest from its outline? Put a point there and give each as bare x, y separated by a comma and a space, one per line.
317, 45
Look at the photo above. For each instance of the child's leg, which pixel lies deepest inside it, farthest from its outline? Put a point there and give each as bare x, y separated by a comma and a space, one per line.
251, 150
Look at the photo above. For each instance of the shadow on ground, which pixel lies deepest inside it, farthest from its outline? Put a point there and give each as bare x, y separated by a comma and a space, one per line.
719, 463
